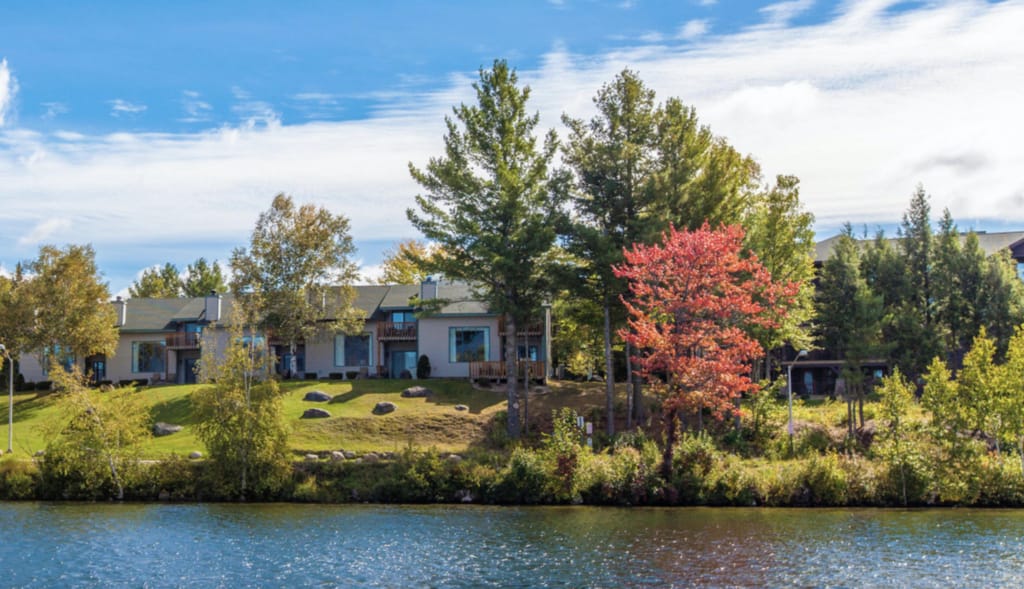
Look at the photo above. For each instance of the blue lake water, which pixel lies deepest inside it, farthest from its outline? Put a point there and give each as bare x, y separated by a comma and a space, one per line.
104, 545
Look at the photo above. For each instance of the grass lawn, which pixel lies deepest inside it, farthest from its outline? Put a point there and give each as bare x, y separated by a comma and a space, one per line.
421, 422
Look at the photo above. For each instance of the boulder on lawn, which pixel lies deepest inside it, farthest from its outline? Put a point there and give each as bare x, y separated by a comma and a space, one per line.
315, 413
317, 397
312, 458
384, 407
416, 392
195, 455
461, 408
165, 429
337, 456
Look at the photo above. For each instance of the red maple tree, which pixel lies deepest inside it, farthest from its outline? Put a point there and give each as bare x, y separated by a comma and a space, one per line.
692, 300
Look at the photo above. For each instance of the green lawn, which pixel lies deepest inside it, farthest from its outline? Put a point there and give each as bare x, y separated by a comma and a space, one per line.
422, 422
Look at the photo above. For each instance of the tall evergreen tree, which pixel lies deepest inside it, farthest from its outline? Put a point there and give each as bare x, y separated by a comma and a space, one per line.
202, 278
613, 157
157, 283
492, 204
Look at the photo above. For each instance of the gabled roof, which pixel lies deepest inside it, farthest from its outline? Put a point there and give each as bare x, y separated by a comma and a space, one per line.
990, 243
148, 315
164, 314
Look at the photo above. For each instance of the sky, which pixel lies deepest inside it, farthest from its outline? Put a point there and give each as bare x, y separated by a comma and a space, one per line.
158, 132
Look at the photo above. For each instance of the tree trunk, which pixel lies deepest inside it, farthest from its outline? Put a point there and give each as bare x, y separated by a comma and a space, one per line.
609, 368
511, 376
670, 442
860, 408
629, 387
526, 399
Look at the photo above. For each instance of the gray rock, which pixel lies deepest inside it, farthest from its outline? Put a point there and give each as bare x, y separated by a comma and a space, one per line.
39, 453
461, 408
337, 456
317, 397
371, 458
464, 496
416, 392
195, 455
384, 407
454, 458
165, 429
312, 458
349, 455
315, 413
164, 495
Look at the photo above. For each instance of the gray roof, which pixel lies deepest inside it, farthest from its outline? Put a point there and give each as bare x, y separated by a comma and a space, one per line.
990, 243
164, 314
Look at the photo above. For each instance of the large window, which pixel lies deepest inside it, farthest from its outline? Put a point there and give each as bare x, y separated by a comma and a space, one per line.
64, 356
469, 344
352, 350
148, 357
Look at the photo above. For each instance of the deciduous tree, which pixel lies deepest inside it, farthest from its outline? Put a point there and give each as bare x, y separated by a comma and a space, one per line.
691, 303
239, 417
492, 205
297, 272
407, 263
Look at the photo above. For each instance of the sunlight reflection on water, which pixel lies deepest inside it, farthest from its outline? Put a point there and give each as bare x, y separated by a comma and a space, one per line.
100, 545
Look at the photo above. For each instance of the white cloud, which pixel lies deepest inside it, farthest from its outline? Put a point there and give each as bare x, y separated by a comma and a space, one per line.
781, 13
44, 231
196, 110
120, 107
53, 110
692, 29
8, 88
861, 108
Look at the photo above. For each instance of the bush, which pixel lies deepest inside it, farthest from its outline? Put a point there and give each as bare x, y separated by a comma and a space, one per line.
26, 385
523, 481
336, 375
824, 481
133, 382
311, 376
351, 374
44, 385
423, 367
18, 480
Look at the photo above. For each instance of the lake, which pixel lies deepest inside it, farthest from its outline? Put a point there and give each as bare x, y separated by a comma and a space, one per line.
284, 545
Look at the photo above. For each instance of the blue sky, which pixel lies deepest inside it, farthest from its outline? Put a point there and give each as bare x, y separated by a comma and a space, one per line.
157, 132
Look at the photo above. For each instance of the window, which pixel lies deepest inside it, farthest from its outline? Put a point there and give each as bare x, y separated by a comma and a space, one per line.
469, 344
64, 356
148, 357
352, 350
403, 317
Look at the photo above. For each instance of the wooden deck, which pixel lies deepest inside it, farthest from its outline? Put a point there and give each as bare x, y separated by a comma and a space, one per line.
393, 332
495, 370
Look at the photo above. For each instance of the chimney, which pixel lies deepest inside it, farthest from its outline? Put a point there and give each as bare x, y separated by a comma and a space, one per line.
428, 289
121, 308
212, 311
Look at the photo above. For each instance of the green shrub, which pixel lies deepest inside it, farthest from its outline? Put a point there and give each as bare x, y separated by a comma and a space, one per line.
523, 481
423, 367
18, 480
824, 481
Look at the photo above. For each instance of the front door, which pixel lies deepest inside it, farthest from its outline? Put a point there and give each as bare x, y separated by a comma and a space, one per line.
403, 361
189, 366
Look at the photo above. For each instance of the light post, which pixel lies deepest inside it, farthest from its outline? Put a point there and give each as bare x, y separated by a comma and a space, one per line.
789, 394
10, 402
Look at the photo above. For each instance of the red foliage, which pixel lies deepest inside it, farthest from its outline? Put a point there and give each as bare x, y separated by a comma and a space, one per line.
691, 301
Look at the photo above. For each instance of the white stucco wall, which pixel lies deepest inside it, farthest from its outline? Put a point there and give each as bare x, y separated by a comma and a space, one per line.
320, 353
433, 342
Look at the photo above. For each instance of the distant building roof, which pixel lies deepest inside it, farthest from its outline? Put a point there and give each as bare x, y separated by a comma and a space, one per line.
990, 243
144, 315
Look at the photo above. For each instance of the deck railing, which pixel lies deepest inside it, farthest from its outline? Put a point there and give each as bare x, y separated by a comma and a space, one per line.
495, 369
183, 339
397, 331
530, 328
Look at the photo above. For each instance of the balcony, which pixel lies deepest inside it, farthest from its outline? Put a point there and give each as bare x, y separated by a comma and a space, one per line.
495, 370
397, 332
535, 328
183, 340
